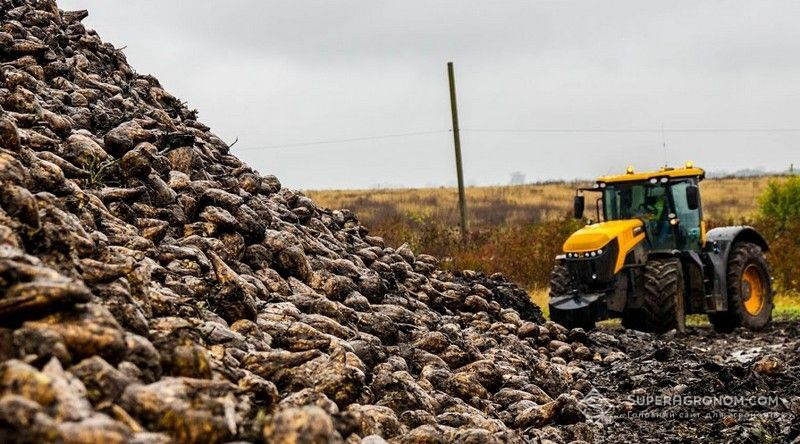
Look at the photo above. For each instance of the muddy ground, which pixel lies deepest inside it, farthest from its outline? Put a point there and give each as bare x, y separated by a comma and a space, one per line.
755, 376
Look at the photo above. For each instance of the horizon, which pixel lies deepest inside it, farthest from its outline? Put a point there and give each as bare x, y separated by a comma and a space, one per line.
710, 175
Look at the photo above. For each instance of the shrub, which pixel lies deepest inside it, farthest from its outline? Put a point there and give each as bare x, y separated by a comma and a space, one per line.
784, 252
779, 222
523, 252
780, 202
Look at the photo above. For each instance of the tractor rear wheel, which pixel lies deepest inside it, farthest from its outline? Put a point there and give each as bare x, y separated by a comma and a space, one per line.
560, 286
749, 290
663, 307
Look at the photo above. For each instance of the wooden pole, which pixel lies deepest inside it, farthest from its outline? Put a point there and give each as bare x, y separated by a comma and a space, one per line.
462, 200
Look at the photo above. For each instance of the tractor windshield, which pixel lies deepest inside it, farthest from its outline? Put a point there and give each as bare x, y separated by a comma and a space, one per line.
635, 201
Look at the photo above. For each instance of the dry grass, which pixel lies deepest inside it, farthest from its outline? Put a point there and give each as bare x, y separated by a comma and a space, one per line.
723, 199
486, 205
540, 297
733, 198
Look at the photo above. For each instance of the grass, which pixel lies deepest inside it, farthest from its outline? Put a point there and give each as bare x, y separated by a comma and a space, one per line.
518, 230
787, 306
540, 298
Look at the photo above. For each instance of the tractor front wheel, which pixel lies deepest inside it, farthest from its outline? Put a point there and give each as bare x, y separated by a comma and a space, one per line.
663, 307
749, 290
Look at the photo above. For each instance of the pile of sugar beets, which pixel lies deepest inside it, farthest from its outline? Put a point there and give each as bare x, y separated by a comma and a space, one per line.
154, 288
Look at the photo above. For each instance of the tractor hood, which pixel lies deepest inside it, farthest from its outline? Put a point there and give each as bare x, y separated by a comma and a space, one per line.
596, 236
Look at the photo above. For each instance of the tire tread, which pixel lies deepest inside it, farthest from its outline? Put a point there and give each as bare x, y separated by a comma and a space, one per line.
663, 308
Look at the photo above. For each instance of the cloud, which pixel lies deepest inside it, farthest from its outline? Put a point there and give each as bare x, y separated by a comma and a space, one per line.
284, 72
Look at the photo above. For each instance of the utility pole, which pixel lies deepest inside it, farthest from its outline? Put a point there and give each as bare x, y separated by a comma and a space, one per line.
462, 200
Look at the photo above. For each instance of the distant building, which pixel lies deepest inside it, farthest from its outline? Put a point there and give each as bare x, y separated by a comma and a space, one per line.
517, 178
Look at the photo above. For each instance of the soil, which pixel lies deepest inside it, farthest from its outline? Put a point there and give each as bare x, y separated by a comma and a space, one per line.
734, 368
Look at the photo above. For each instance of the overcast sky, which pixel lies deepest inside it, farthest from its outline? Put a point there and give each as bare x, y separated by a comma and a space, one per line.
276, 73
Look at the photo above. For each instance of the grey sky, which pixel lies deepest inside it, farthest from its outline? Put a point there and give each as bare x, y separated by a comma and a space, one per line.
273, 73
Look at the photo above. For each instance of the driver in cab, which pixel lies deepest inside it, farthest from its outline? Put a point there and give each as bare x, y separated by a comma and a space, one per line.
655, 212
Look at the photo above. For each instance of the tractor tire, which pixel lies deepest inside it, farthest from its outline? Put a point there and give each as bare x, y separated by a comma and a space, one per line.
663, 307
749, 290
559, 286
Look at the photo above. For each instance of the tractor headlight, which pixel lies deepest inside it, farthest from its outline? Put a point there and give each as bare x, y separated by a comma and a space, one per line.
585, 254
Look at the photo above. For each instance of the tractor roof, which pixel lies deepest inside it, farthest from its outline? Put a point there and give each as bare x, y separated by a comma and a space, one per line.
630, 175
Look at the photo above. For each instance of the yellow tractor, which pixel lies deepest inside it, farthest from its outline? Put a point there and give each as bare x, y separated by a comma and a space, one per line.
647, 258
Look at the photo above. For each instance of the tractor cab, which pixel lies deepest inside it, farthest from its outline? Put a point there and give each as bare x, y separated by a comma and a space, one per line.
667, 202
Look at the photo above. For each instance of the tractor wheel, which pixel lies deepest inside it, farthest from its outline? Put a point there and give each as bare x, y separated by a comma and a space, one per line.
559, 286
663, 307
749, 290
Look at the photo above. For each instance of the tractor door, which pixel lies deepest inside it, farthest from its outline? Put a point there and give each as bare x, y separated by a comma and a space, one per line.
688, 235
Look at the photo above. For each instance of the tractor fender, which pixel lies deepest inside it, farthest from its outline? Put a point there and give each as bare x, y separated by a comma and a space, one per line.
718, 248
723, 238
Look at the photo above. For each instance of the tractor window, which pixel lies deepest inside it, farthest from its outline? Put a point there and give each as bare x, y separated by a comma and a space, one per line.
646, 201
634, 201
689, 226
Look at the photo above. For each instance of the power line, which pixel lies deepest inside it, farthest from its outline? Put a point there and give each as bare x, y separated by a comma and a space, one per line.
631, 130
534, 130
354, 139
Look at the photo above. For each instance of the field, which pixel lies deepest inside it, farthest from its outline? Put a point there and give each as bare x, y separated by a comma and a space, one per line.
518, 230
723, 199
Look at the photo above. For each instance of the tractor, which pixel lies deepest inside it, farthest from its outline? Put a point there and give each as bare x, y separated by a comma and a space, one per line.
647, 258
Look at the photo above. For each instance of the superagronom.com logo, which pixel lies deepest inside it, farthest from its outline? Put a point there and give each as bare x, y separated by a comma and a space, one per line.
595, 406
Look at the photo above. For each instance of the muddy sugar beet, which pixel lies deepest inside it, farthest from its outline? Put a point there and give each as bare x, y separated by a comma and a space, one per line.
154, 288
